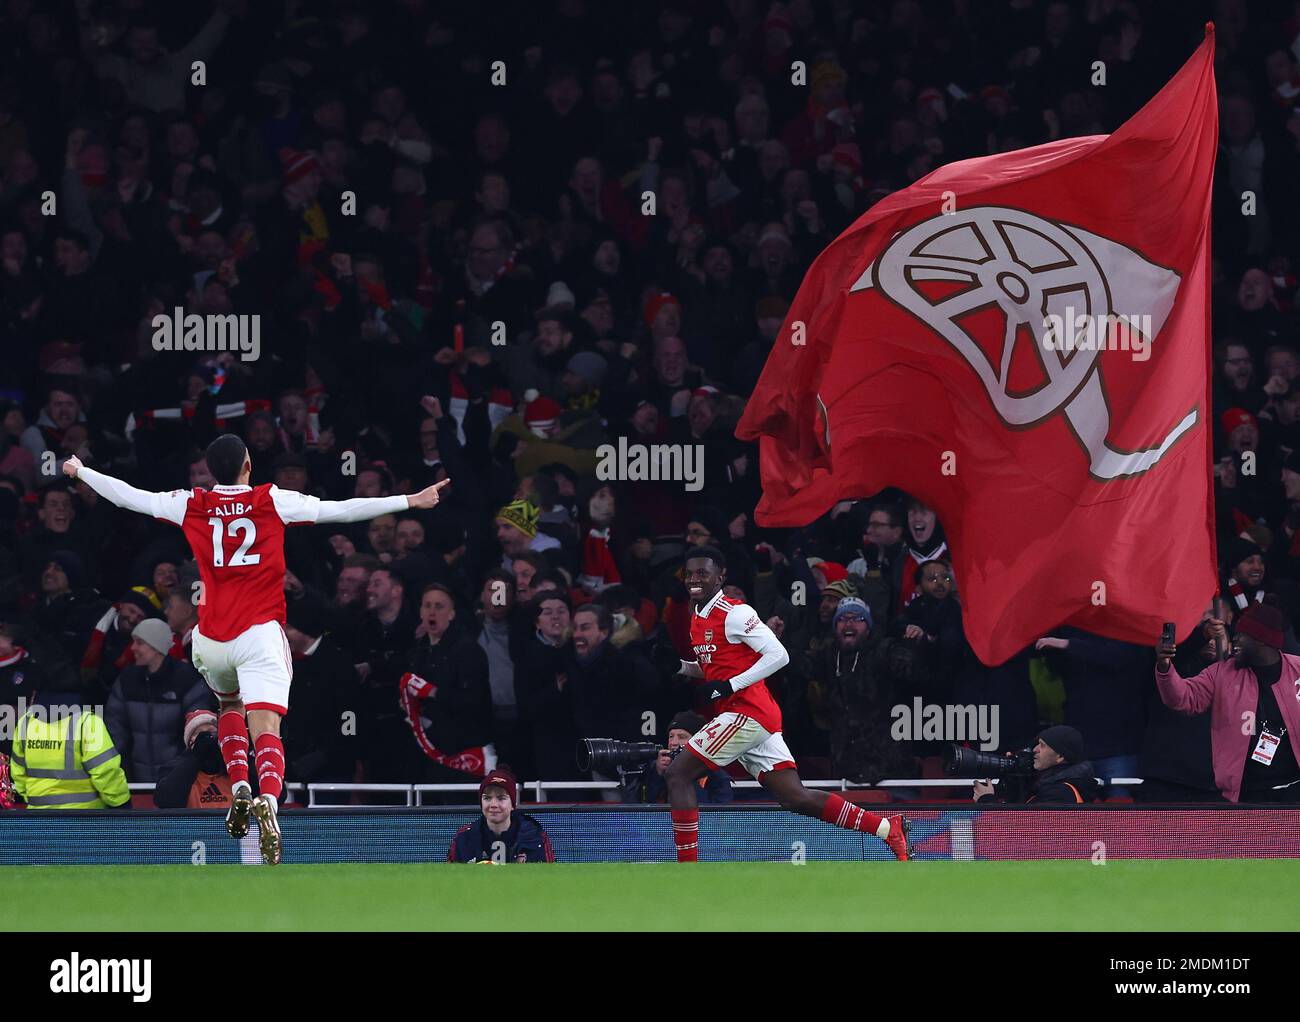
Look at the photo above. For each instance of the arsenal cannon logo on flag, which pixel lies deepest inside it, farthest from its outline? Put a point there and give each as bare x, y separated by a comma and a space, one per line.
1022, 341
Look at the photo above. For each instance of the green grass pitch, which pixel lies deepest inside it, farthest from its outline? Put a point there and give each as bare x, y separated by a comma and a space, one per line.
1130, 895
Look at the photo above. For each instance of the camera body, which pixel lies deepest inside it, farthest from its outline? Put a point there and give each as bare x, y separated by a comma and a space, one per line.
963, 762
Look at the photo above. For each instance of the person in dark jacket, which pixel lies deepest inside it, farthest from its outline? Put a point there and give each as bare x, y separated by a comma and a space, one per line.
317, 746
66, 613
859, 678
933, 620
1176, 763
59, 533
149, 702
385, 643
502, 835
446, 696
199, 779
650, 786
1061, 772
611, 689
541, 686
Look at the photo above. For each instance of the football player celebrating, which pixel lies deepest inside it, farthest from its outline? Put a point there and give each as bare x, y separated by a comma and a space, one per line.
237, 534
735, 652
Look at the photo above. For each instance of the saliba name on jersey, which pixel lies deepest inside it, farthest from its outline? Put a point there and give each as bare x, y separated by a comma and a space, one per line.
225, 510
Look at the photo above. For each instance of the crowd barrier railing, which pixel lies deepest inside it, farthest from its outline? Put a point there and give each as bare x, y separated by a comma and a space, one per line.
414, 793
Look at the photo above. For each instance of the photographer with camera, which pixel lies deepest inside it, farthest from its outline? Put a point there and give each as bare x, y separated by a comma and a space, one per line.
649, 785
1255, 694
611, 689
199, 779
1055, 770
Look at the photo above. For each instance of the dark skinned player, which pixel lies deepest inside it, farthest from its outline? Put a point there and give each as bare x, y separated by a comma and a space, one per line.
735, 654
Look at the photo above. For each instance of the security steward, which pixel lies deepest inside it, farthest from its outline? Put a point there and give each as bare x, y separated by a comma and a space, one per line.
63, 758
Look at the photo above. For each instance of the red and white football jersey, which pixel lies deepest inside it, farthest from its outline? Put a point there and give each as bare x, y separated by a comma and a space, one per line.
726, 637
237, 535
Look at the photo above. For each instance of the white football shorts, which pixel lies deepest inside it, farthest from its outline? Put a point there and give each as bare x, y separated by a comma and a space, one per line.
733, 736
255, 666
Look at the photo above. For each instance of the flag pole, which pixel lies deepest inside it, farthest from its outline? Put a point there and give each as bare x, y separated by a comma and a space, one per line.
1220, 641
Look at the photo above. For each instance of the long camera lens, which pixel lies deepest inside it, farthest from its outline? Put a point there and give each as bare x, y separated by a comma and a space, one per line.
962, 762
607, 754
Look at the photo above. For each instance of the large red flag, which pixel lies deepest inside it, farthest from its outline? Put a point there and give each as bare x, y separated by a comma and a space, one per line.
1022, 341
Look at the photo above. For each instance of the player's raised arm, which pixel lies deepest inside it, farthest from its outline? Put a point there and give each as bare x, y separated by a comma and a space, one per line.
296, 507
169, 507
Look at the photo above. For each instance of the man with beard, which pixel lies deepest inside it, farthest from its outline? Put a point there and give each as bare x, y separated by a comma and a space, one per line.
540, 365
1175, 765
864, 676
1062, 773
924, 542
1259, 686
346, 613
1236, 386
735, 655
610, 689
1246, 572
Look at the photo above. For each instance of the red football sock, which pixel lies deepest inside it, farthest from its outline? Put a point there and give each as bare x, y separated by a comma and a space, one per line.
845, 814
270, 765
686, 834
233, 738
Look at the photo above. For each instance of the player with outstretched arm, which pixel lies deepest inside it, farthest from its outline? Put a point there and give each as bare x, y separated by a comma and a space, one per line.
735, 652
237, 534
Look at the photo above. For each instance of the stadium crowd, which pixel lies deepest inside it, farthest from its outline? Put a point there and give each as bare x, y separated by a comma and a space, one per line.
457, 277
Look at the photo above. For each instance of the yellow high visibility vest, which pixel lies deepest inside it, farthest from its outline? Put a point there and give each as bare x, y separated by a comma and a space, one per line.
67, 762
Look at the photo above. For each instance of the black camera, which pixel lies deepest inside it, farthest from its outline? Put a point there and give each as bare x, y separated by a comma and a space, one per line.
959, 761
609, 754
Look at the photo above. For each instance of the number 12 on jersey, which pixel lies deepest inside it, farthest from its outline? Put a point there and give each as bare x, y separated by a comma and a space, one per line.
222, 528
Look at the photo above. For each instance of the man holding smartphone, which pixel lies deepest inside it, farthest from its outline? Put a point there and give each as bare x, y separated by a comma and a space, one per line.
1254, 704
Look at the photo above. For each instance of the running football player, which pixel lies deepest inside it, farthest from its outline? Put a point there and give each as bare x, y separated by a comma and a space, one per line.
735, 653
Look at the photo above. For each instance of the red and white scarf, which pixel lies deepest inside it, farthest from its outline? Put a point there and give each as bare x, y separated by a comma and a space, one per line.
414, 691
1239, 594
